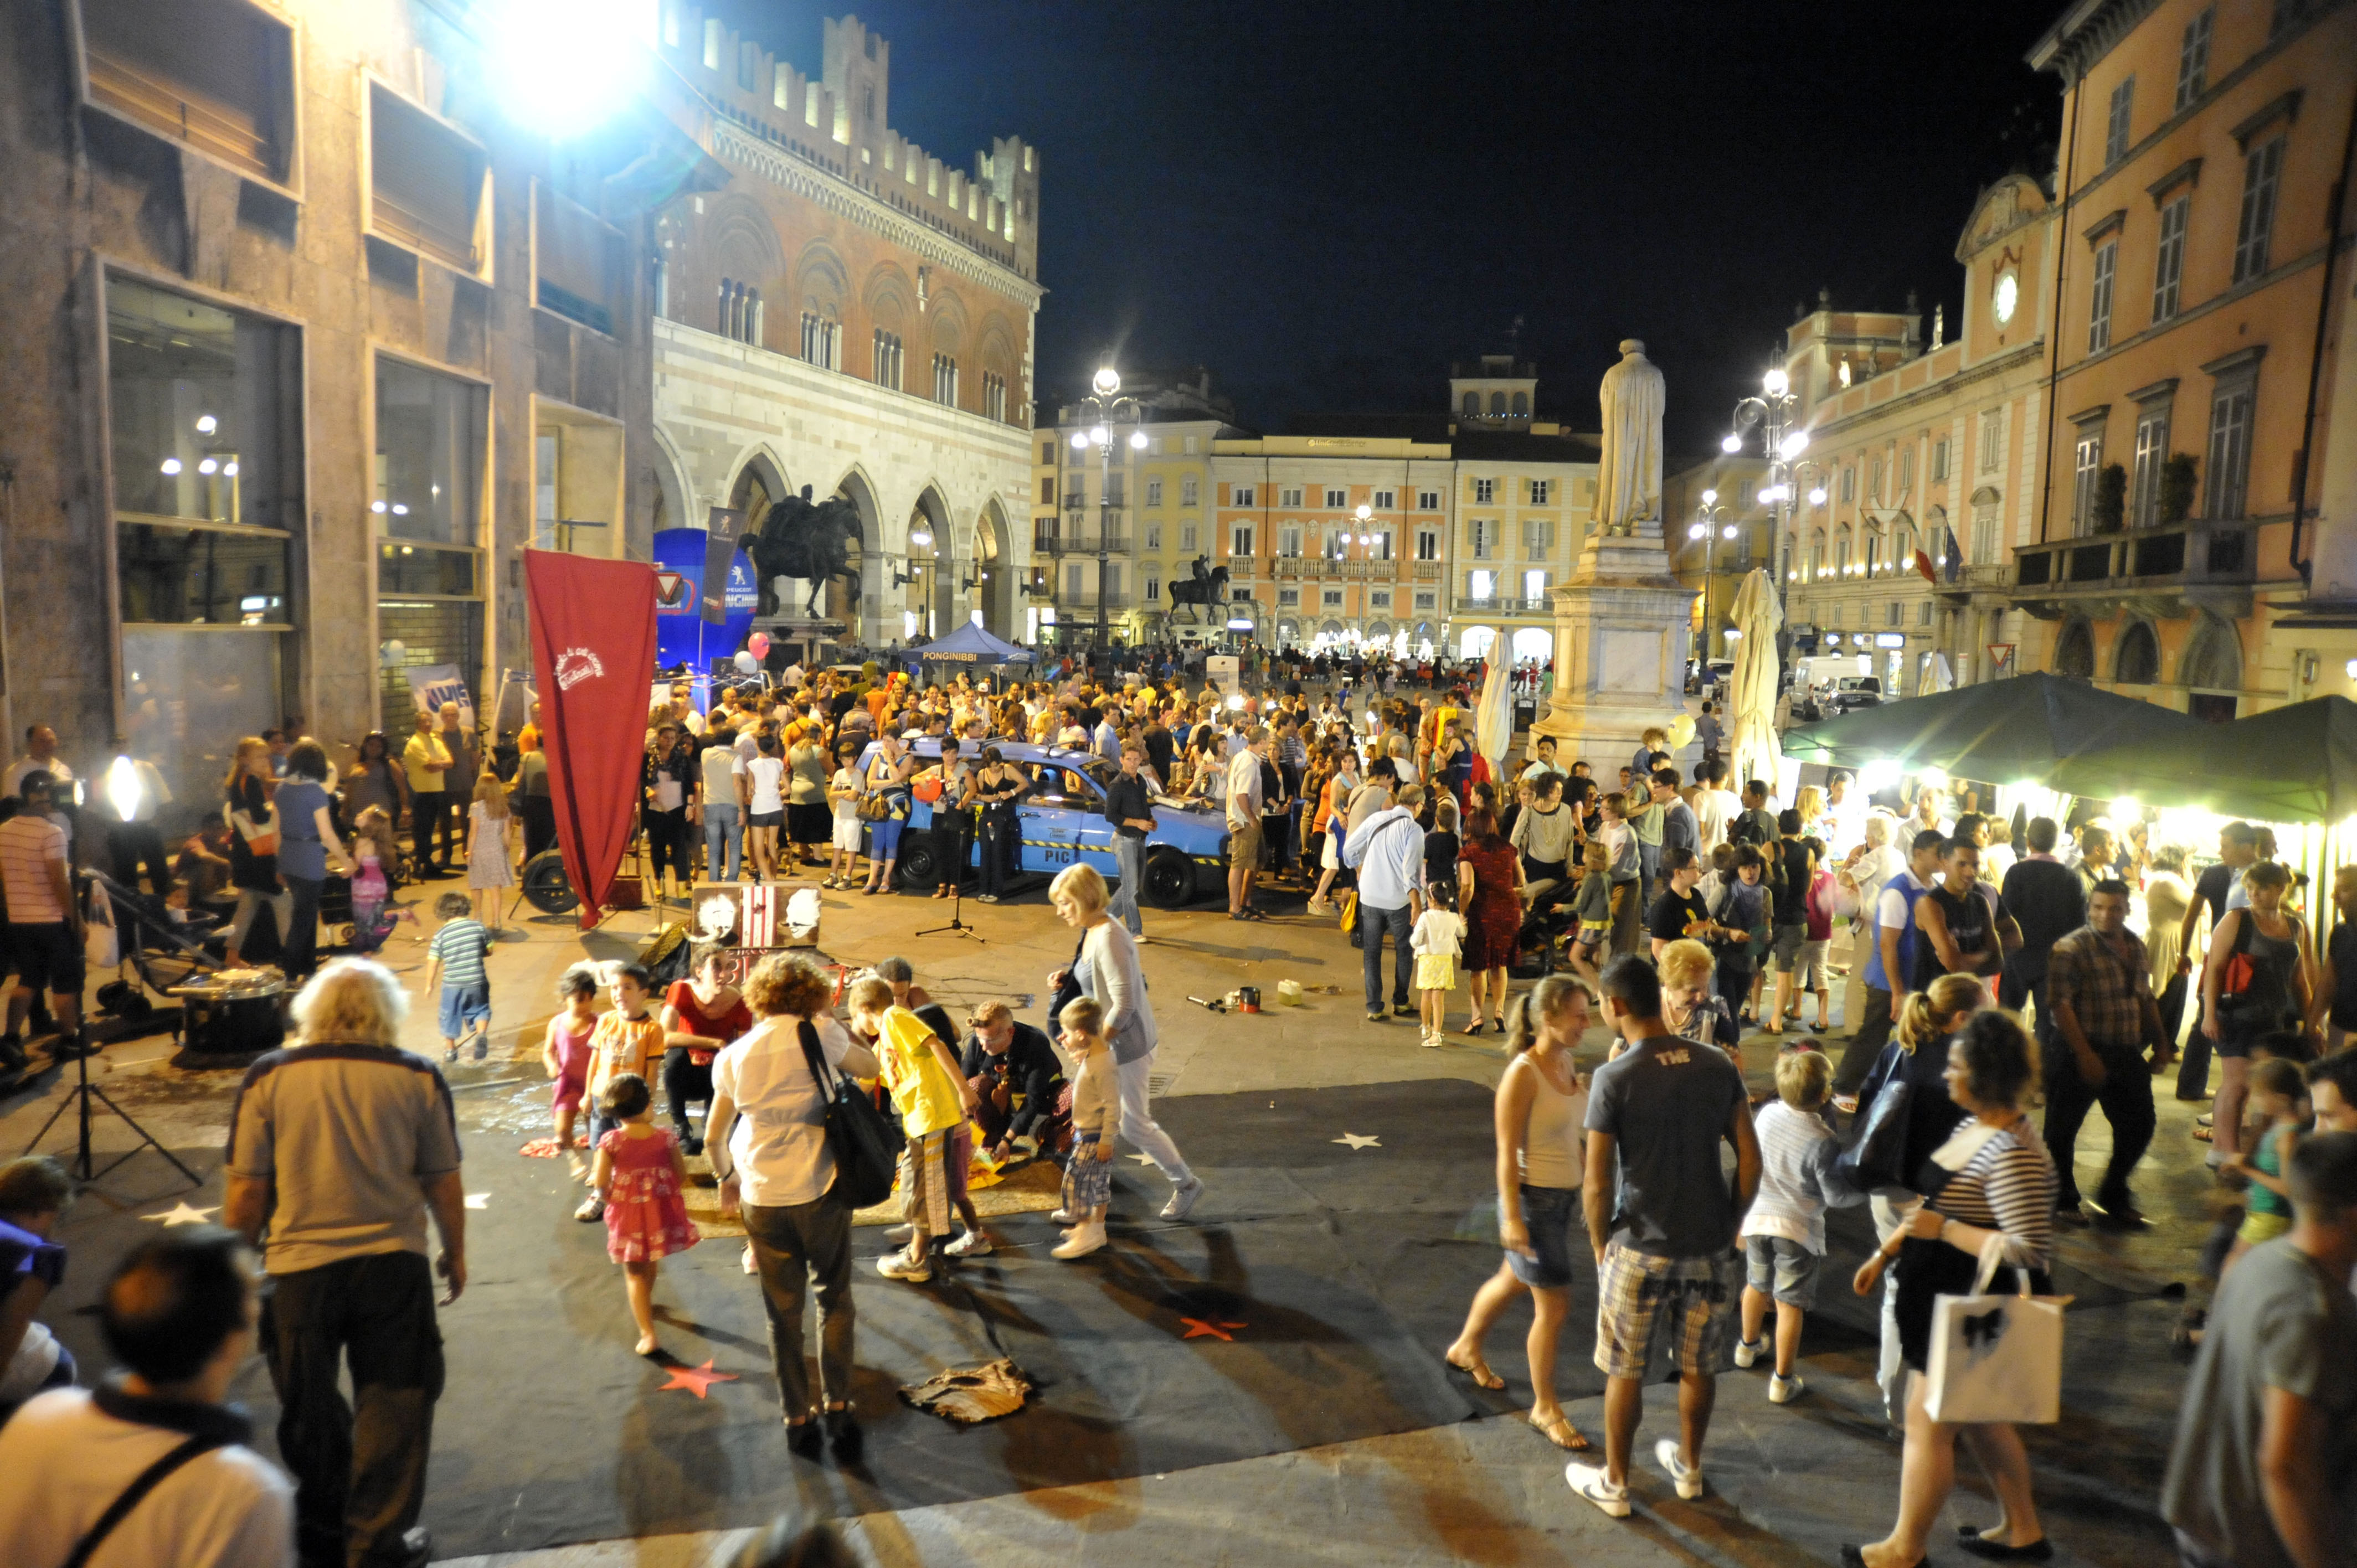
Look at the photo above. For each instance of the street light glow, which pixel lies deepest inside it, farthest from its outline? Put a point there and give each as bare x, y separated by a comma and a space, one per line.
1817, 495
1080, 440
1733, 443
1795, 444
1697, 532
1099, 435
1365, 512
1775, 381
1108, 381
1137, 440
569, 64
1710, 497
1728, 533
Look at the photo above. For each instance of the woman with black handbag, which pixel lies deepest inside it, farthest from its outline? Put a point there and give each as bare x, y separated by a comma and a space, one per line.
768, 1139
1905, 1114
2258, 981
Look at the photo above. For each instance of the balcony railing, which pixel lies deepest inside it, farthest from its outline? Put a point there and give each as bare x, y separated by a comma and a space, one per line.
1971, 579
1429, 570
2198, 560
1465, 604
1078, 542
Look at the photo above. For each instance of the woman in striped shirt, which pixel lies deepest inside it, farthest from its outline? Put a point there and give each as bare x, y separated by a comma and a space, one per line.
1998, 1186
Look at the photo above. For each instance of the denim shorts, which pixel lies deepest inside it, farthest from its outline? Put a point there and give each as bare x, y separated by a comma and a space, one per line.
463, 1006
1550, 1214
1780, 1267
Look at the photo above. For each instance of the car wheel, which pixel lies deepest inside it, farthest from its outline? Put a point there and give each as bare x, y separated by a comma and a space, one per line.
1170, 879
546, 888
919, 861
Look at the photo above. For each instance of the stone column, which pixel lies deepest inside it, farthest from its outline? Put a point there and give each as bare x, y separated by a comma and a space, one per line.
1622, 625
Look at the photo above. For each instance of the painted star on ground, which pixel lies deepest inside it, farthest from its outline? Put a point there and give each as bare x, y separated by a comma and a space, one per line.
184, 1213
1360, 1140
1198, 1328
478, 1200
695, 1378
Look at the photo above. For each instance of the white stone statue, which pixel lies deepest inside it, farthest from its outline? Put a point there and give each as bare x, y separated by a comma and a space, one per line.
1628, 474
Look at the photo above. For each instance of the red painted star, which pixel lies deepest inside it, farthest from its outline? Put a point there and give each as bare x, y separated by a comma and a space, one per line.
695, 1378
1198, 1328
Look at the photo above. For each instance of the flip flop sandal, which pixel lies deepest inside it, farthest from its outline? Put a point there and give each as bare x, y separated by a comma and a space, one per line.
1559, 1432
2202, 1135
1478, 1369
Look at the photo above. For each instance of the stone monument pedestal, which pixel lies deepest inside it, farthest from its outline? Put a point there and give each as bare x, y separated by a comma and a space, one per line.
1623, 627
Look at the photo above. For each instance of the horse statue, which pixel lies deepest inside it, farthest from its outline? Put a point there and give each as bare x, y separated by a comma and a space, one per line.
1206, 588
796, 539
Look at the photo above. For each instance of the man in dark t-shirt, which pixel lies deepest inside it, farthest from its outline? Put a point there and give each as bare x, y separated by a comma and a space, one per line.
1662, 1221
1679, 911
2046, 900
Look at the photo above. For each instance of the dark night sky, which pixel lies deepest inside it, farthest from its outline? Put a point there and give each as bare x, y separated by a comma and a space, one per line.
1327, 203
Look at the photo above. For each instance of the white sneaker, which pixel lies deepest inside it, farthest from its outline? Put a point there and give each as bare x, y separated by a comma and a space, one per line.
900, 1266
1688, 1480
1590, 1482
752, 1264
1748, 1350
969, 1244
1064, 1218
1084, 1239
1431, 1039
1183, 1198
1782, 1390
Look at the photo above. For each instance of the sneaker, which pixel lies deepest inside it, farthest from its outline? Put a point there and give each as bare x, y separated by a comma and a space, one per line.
482, 1044
1782, 1390
1590, 1482
1750, 1350
900, 1266
1064, 1218
1432, 1039
1688, 1480
972, 1244
1083, 1240
1402, 1010
1183, 1198
986, 899
591, 1209
452, 1055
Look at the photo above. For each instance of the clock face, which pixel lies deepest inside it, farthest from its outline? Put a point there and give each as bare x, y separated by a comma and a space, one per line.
2008, 290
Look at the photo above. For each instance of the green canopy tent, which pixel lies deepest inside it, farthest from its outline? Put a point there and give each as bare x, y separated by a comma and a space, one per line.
2296, 764
2003, 732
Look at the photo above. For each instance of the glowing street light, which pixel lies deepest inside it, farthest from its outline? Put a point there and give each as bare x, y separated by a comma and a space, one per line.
1732, 444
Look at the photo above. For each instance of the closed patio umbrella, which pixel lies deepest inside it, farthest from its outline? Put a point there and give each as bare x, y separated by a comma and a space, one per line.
1751, 689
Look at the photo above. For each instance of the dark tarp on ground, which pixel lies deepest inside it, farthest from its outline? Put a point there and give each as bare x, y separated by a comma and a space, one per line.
2295, 764
2004, 732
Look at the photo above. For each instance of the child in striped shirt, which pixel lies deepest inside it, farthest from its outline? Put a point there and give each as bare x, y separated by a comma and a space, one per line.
453, 961
1784, 1232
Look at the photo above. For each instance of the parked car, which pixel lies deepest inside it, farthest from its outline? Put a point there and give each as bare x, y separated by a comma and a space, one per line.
1063, 822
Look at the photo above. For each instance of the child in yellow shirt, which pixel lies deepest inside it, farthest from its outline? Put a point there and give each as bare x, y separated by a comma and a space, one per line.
934, 1099
628, 1039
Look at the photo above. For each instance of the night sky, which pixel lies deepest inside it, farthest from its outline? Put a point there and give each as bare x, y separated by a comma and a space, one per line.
1326, 204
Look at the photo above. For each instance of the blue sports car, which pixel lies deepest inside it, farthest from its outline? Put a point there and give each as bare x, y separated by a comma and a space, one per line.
1063, 822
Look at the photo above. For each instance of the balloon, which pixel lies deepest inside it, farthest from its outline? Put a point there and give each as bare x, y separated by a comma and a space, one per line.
747, 664
393, 652
758, 645
1681, 732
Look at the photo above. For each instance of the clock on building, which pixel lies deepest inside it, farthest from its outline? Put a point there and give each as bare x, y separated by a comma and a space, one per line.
2005, 295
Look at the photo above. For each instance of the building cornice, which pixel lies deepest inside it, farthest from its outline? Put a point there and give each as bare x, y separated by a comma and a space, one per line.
733, 144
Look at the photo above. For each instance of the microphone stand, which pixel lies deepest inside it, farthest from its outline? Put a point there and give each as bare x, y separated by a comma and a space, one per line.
957, 898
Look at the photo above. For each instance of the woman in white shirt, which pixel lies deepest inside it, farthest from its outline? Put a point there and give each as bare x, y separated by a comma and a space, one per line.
766, 811
767, 1140
1542, 1107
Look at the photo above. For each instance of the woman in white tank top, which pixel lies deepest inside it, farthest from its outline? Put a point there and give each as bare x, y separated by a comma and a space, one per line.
1542, 1105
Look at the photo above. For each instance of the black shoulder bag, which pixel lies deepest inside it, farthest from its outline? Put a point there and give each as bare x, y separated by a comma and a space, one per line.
146, 1481
865, 1143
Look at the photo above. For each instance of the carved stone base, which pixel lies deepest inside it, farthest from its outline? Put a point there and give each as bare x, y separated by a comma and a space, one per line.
1623, 627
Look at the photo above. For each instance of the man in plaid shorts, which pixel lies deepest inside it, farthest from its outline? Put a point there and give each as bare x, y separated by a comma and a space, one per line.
1663, 1226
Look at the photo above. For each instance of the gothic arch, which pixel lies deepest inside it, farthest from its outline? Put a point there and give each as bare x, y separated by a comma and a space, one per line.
2212, 659
743, 243
822, 283
890, 299
757, 481
2074, 649
677, 504
2136, 657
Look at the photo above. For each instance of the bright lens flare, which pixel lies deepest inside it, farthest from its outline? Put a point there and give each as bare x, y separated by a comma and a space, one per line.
122, 788
569, 63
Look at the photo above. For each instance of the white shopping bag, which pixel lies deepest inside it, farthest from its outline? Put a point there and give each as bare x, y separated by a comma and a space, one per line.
1995, 1357
102, 943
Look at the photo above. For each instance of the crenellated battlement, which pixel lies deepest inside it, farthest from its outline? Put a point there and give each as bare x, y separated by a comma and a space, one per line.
838, 122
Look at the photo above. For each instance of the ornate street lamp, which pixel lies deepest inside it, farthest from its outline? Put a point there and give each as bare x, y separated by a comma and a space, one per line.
1111, 419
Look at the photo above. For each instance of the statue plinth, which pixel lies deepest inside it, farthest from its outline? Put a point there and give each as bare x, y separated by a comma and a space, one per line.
1622, 628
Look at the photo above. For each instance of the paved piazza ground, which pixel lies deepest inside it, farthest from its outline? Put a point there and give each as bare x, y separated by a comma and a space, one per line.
1326, 1428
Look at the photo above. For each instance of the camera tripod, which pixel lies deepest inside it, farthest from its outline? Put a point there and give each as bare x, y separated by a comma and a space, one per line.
79, 1098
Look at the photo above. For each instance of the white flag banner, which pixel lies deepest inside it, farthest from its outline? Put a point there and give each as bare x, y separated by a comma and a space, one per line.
431, 685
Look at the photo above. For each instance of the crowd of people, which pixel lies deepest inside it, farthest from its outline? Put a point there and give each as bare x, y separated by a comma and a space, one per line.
1687, 917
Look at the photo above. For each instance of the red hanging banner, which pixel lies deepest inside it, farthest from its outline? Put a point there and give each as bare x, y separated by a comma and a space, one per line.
593, 656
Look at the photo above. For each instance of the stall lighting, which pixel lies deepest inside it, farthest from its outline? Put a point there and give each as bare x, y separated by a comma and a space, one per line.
229, 469
123, 787
2127, 809
207, 424
1877, 775
207, 466
170, 465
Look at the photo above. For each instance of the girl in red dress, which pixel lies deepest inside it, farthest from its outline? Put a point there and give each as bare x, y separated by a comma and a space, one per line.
640, 1175
1488, 880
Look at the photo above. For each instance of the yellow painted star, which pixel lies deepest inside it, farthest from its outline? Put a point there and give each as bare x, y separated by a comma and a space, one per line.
184, 1213
1360, 1140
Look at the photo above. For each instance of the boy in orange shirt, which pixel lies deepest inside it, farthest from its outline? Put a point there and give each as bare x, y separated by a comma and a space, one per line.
628, 1039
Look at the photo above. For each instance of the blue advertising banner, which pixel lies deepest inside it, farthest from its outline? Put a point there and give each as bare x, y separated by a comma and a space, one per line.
683, 636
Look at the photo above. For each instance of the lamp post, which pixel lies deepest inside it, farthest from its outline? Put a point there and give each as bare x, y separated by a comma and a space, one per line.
1772, 413
1109, 418
1708, 528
